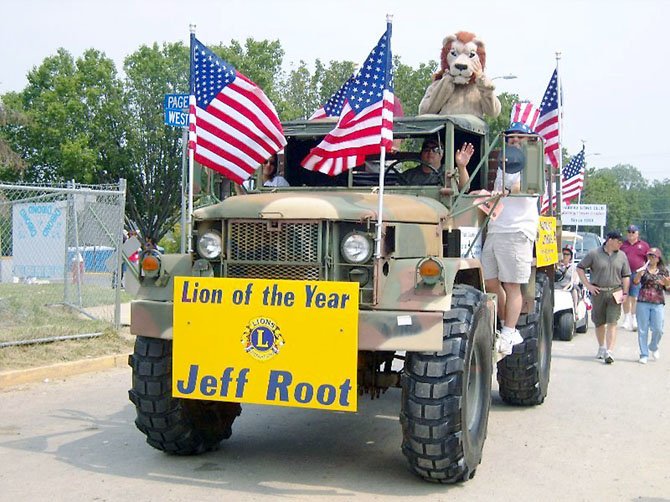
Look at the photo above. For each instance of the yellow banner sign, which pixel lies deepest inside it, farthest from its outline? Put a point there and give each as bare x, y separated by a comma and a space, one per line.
546, 247
285, 343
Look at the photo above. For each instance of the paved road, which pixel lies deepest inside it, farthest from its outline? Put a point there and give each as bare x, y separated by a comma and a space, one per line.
602, 434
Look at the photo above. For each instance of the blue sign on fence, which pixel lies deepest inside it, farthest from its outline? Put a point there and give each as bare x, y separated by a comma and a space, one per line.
176, 110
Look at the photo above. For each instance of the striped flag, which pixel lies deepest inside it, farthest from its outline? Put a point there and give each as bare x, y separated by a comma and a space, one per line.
548, 122
366, 119
334, 106
525, 113
233, 126
572, 181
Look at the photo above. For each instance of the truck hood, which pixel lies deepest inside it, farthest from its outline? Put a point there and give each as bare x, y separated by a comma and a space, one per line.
325, 206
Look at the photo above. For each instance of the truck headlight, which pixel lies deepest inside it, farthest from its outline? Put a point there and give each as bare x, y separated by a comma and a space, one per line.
356, 248
209, 245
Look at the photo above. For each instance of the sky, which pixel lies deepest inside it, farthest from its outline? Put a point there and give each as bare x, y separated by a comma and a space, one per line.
613, 53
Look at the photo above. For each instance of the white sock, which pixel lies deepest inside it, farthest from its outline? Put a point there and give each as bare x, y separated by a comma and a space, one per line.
507, 330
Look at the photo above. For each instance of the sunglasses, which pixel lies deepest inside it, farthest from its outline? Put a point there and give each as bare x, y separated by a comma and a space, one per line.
567, 254
434, 149
652, 255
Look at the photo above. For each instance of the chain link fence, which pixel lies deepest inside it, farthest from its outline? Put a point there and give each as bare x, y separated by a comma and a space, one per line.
60, 259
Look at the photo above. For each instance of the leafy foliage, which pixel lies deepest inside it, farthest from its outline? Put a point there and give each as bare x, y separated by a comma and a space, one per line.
77, 119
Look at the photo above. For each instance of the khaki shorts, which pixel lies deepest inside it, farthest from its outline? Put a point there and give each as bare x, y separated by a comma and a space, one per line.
507, 257
605, 309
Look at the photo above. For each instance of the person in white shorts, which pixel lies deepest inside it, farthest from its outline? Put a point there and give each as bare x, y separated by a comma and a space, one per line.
508, 250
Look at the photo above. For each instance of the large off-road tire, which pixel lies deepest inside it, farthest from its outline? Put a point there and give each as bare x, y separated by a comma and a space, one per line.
583, 327
565, 326
178, 426
523, 376
446, 395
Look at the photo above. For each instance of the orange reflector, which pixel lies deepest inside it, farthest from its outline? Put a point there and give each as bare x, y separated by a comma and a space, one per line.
430, 268
150, 263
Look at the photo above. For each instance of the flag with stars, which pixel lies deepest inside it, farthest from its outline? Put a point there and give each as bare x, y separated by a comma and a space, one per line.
233, 126
572, 181
365, 122
334, 106
548, 122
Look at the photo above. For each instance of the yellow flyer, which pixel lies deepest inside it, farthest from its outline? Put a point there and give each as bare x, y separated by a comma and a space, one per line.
546, 247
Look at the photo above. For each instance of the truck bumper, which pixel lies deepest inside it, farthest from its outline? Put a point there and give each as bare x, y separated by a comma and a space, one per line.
377, 330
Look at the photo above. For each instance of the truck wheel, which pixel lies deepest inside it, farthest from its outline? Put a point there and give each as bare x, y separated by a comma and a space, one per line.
583, 327
565, 326
446, 395
523, 376
178, 426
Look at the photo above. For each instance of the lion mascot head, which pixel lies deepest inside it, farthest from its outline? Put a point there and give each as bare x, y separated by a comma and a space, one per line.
462, 55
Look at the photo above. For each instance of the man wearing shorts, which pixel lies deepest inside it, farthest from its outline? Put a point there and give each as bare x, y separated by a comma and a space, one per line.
508, 250
608, 285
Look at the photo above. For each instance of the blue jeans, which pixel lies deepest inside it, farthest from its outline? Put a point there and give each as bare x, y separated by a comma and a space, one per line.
649, 315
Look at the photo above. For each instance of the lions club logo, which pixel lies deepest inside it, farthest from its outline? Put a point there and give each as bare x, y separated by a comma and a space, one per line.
262, 338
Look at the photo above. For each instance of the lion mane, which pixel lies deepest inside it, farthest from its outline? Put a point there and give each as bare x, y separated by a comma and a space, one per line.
461, 85
463, 37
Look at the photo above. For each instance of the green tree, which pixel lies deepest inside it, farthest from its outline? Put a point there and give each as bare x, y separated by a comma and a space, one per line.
299, 96
602, 186
411, 84
656, 215
501, 122
11, 163
74, 121
154, 150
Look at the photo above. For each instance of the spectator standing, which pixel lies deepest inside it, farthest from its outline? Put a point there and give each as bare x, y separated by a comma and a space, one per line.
636, 251
653, 279
608, 285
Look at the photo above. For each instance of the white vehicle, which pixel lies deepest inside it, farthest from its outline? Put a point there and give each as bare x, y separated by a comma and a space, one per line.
571, 312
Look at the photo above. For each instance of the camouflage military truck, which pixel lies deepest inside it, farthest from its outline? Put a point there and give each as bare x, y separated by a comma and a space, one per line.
425, 323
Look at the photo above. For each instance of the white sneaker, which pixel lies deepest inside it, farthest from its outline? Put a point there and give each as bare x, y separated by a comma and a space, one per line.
507, 341
656, 354
633, 324
643, 360
625, 323
601, 353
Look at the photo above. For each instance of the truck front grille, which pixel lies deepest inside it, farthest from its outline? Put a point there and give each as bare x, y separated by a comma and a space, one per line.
273, 249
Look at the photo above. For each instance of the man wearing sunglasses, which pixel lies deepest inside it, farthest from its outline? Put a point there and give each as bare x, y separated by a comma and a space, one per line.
431, 156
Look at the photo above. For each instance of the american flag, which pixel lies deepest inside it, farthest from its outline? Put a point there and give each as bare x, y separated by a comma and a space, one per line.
525, 113
366, 118
548, 122
233, 126
334, 106
572, 181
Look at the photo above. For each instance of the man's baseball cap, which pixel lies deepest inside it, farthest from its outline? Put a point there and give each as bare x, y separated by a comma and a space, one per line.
430, 142
633, 228
614, 234
519, 128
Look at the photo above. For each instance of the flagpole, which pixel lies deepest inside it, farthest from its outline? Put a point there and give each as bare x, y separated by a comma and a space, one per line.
382, 154
559, 90
191, 150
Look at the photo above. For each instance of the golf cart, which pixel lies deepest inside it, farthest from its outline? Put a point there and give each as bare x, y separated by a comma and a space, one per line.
571, 304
